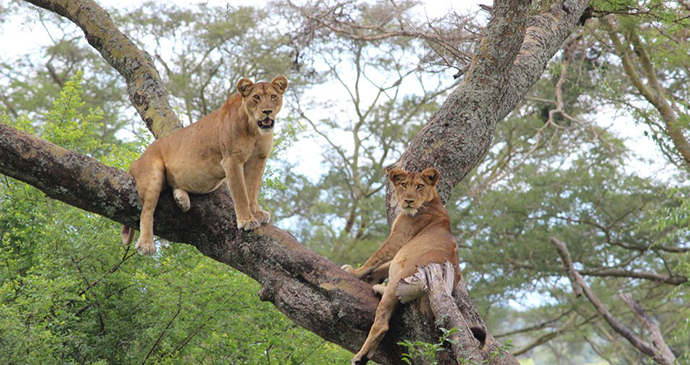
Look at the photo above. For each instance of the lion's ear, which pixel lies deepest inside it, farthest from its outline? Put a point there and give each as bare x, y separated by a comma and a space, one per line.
396, 175
281, 83
244, 87
431, 176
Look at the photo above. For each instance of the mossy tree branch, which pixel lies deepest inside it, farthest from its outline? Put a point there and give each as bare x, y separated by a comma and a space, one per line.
144, 86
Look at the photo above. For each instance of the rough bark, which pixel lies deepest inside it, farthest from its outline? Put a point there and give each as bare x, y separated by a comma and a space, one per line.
309, 289
510, 60
466, 343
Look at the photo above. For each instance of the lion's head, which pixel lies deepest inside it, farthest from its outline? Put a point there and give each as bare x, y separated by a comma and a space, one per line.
263, 100
413, 189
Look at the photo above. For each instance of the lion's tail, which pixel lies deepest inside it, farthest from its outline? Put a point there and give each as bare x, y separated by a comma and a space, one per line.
127, 235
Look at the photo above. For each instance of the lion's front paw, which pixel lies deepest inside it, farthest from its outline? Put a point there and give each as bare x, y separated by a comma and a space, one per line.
358, 273
146, 247
248, 224
348, 268
262, 216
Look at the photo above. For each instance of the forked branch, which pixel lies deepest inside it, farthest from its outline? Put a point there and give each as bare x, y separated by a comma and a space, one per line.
658, 350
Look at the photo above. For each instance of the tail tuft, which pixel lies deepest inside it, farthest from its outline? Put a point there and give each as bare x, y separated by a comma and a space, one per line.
127, 235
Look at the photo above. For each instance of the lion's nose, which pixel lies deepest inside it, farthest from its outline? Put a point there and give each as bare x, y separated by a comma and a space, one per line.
268, 111
409, 201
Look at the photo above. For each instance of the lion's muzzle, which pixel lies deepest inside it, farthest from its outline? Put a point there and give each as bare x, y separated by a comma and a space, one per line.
267, 123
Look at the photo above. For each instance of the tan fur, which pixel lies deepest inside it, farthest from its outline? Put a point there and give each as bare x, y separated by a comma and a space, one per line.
420, 236
226, 145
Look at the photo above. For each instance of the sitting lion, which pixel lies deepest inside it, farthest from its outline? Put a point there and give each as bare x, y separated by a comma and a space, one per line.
420, 236
231, 144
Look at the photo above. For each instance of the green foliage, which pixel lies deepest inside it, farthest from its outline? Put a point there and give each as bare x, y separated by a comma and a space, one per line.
427, 353
586, 200
661, 27
572, 179
671, 223
499, 351
424, 351
284, 138
70, 294
31, 81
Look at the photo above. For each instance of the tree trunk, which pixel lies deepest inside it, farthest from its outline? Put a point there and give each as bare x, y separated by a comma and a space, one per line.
308, 288
460, 133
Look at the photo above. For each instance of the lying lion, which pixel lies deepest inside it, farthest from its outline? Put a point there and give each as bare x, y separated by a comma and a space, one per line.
420, 236
231, 144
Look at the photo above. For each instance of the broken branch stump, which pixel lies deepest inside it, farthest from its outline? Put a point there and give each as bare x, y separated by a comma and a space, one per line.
468, 343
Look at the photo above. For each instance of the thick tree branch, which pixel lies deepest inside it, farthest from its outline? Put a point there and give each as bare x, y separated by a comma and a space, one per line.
510, 59
146, 91
437, 282
300, 283
309, 289
567, 264
470, 128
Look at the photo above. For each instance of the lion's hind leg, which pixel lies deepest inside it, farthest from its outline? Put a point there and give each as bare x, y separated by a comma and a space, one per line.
379, 274
182, 199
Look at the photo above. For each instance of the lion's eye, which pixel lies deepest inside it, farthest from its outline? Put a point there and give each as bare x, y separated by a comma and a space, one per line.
420, 186
274, 97
257, 98
404, 185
